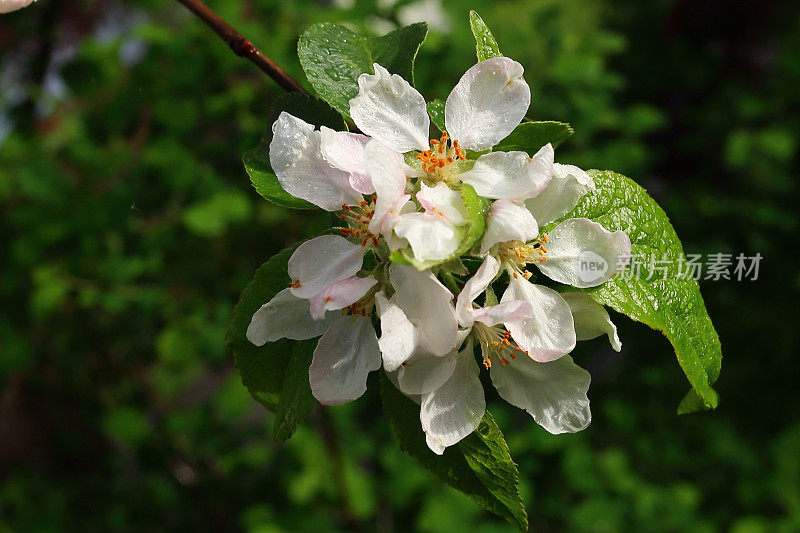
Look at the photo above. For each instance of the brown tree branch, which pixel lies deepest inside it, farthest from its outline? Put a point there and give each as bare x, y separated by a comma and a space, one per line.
242, 47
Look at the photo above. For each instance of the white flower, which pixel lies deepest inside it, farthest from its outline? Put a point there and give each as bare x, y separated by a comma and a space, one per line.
7, 6
348, 349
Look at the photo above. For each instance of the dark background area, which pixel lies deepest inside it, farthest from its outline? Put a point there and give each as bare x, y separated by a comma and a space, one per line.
128, 227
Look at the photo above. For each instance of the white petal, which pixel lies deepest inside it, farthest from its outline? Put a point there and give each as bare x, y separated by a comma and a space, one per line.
582, 253
549, 333
454, 410
553, 393
295, 156
7, 6
508, 221
566, 186
431, 237
398, 335
388, 173
511, 175
322, 261
389, 109
285, 316
488, 102
344, 356
443, 202
504, 313
340, 294
428, 305
345, 151
473, 288
425, 372
591, 319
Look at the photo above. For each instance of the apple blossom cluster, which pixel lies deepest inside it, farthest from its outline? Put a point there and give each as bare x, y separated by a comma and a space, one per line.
392, 290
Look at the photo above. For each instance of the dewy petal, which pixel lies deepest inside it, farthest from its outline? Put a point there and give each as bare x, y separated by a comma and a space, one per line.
566, 186
388, 174
425, 372
454, 410
344, 356
488, 102
473, 288
427, 304
295, 156
340, 294
389, 109
398, 335
431, 237
285, 316
553, 393
508, 221
550, 332
582, 253
591, 319
444, 202
345, 151
322, 261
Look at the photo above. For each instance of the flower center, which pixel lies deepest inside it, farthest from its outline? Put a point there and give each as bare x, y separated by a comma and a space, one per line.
496, 343
437, 161
357, 218
516, 254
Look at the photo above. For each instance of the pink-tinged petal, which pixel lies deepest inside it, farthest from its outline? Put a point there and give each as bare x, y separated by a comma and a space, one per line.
566, 186
389, 109
285, 316
444, 202
453, 411
398, 335
344, 357
345, 151
582, 253
508, 221
340, 295
295, 156
321, 262
389, 174
553, 393
591, 319
488, 102
550, 332
473, 288
504, 313
428, 305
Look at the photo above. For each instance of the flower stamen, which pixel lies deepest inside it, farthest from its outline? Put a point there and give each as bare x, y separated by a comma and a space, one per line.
441, 155
496, 343
358, 218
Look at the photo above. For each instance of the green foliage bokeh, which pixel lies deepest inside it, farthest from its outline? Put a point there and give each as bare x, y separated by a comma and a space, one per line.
128, 227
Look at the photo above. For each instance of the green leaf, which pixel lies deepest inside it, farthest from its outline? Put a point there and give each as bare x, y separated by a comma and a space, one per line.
436, 112
477, 208
296, 400
480, 466
530, 136
669, 303
485, 44
333, 57
262, 367
256, 161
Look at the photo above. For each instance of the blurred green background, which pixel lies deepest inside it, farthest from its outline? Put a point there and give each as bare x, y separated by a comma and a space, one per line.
128, 227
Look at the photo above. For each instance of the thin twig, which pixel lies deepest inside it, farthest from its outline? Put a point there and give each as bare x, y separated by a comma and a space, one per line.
242, 47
